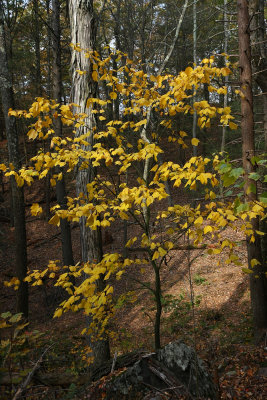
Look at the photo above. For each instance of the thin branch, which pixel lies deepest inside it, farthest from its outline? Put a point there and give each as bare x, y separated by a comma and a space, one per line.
24, 385
174, 39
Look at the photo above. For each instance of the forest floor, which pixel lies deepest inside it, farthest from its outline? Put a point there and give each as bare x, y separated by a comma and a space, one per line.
219, 326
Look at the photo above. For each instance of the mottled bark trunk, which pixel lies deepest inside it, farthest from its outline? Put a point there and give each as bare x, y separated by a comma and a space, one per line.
14, 158
67, 254
258, 285
259, 63
259, 52
83, 87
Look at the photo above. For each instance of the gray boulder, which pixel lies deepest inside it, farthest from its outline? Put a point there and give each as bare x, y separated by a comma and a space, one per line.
174, 370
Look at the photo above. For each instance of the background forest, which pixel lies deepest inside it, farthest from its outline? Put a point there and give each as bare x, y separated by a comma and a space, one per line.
133, 193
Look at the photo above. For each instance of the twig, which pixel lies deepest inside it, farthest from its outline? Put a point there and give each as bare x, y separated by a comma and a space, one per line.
260, 94
157, 390
24, 385
178, 247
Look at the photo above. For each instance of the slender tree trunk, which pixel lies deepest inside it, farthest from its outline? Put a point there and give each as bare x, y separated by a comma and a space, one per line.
194, 130
48, 176
67, 254
258, 284
14, 158
226, 79
37, 49
158, 298
82, 25
49, 41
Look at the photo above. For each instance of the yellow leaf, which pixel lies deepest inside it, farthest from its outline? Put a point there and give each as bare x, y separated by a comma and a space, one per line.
162, 252
80, 72
32, 134
118, 275
199, 220
58, 313
95, 76
36, 209
54, 220
232, 125
19, 180
113, 95
109, 290
182, 133
53, 182
195, 141
12, 113
247, 270
207, 229
254, 262
131, 242
123, 215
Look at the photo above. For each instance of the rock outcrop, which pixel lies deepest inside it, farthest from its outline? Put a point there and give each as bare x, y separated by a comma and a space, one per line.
174, 371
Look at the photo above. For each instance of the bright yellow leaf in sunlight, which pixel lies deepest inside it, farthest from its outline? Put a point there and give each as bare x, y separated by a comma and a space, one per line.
199, 221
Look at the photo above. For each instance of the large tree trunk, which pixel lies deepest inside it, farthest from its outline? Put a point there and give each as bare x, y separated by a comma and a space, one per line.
258, 284
259, 52
67, 254
259, 64
14, 158
82, 25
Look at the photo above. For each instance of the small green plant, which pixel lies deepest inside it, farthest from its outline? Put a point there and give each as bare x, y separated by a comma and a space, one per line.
178, 310
199, 280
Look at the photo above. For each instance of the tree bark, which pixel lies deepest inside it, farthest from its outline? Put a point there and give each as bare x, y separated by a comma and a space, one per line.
259, 52
259, 64
258, 284
66, 243
17, 193
83, 31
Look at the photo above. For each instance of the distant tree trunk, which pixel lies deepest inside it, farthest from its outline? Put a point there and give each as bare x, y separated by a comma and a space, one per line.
37, 78
258, 284
48, 91
14, 158
82, 25
49, 37
226, 79
67, 254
